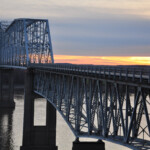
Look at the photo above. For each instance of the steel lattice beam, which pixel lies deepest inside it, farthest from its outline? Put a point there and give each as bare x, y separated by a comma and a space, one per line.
26, 41
103, 102
99, 109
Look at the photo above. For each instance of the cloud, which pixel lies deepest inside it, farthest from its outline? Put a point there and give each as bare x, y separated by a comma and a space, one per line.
101, 37
97, 27
75, 9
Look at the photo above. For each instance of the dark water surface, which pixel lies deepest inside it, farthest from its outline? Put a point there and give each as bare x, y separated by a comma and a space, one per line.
11, 127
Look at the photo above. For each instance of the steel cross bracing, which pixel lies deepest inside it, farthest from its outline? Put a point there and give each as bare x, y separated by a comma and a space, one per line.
98, 107
26, 41
103, 102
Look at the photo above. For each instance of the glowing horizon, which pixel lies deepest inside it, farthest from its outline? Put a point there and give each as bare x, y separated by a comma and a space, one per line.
102, 60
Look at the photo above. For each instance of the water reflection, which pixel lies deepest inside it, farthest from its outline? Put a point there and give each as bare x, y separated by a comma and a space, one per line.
11, 128
6, 129
11, 124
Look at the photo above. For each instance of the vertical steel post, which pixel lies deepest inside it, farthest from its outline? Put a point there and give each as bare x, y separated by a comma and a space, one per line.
50, 43
26, 41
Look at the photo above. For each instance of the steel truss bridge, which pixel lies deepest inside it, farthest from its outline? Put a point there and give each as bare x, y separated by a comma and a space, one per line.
103, 102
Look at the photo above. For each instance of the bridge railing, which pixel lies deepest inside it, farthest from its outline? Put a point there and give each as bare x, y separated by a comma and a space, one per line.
128, 73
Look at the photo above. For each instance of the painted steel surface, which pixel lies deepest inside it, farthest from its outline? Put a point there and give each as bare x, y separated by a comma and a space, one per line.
26, 41
97, 107
103, 102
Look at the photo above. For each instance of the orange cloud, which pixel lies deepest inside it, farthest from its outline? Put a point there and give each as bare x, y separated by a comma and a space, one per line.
102, 60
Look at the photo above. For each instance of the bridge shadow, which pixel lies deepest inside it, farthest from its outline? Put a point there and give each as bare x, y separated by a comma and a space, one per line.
6, 129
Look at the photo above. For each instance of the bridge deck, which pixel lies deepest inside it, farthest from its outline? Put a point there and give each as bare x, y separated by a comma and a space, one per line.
126, 74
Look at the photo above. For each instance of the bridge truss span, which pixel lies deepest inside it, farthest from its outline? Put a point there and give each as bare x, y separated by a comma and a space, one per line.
26, 41
99, 108
102, 102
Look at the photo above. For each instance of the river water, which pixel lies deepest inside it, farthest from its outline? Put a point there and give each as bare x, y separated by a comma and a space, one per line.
11, 127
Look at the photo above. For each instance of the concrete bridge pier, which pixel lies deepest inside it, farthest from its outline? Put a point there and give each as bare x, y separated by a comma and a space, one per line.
99, 145
37, 137
7, 88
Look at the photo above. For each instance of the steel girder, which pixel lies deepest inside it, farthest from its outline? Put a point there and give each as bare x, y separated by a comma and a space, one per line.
26, 41
1, 37
99, 108
131, 75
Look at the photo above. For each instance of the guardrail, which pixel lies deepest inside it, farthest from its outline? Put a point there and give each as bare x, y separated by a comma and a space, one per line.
132, 73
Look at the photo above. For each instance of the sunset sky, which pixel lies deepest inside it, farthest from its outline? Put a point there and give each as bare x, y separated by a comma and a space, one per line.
91, 31
102, 60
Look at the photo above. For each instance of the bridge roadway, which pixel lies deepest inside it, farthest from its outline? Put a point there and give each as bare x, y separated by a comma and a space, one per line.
103, 102
131, 74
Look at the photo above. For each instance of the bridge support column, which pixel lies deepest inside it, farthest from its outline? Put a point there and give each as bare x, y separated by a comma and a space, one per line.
77, 145
7, 88
37, 137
